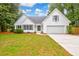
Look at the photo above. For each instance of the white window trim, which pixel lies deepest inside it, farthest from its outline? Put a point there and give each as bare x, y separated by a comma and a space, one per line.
18, 26
28, 27
55, 20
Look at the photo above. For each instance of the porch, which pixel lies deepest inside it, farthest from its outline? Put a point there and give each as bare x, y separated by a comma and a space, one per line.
37, 28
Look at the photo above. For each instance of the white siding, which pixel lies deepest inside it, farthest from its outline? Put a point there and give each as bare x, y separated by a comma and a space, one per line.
28, 22
49, 21
62, 20
55, 29
20, 20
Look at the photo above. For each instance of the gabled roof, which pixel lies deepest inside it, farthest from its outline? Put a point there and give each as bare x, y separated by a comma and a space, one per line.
60, 13
34, 19
20, 20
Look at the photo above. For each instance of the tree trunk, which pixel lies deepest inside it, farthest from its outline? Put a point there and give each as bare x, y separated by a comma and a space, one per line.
3, 29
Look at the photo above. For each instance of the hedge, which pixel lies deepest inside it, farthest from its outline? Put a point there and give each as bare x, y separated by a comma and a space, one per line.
19, 30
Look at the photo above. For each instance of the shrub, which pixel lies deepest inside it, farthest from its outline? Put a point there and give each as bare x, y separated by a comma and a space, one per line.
19, 30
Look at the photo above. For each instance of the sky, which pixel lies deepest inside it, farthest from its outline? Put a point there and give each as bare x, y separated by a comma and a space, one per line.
34, 9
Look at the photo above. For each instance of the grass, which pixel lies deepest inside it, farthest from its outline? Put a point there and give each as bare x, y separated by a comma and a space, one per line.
29, 45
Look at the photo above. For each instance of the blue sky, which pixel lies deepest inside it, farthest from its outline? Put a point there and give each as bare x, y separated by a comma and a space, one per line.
33, 9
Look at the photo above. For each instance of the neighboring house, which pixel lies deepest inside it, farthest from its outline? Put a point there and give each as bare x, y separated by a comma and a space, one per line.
55, 22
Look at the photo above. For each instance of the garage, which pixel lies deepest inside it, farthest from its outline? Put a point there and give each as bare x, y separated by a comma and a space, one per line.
56, 29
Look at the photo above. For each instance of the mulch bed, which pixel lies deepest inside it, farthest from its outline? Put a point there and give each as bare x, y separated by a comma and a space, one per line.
6, 33
14, 33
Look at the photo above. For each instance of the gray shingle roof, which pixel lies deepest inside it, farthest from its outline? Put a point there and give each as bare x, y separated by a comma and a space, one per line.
37, 19
34, 19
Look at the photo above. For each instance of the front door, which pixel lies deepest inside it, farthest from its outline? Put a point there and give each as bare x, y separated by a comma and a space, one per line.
38, 28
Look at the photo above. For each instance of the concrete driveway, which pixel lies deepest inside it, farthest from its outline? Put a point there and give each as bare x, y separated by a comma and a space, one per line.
69, 42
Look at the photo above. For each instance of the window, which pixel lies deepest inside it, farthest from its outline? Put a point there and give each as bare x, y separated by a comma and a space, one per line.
31, 27
18, 26
28, 27
25, 27
56, 18
39, 28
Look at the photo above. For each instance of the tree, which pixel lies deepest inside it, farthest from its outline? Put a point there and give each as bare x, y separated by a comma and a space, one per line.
52, 6
8, 15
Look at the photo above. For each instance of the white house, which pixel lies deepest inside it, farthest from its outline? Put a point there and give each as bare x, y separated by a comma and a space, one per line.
55, 22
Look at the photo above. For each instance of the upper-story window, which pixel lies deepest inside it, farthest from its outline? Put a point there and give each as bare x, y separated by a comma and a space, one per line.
55, 18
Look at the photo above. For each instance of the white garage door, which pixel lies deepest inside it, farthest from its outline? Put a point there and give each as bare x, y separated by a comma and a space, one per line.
55, 29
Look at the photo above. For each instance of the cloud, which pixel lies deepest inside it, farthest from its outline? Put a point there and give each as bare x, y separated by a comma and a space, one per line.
28, 10
65, 11
39, 12
42, 14
23, 11
47, 11
27, 4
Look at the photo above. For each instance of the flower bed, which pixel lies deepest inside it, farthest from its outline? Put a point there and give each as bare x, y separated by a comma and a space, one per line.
6, 32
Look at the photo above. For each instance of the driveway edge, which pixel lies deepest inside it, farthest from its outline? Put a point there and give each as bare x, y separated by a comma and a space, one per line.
61, 45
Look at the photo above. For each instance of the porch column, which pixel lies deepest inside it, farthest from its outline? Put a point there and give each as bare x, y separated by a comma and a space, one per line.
35, 28
21, 26
42, 28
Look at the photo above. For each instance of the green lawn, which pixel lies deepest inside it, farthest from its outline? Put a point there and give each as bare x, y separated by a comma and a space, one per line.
29, 45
